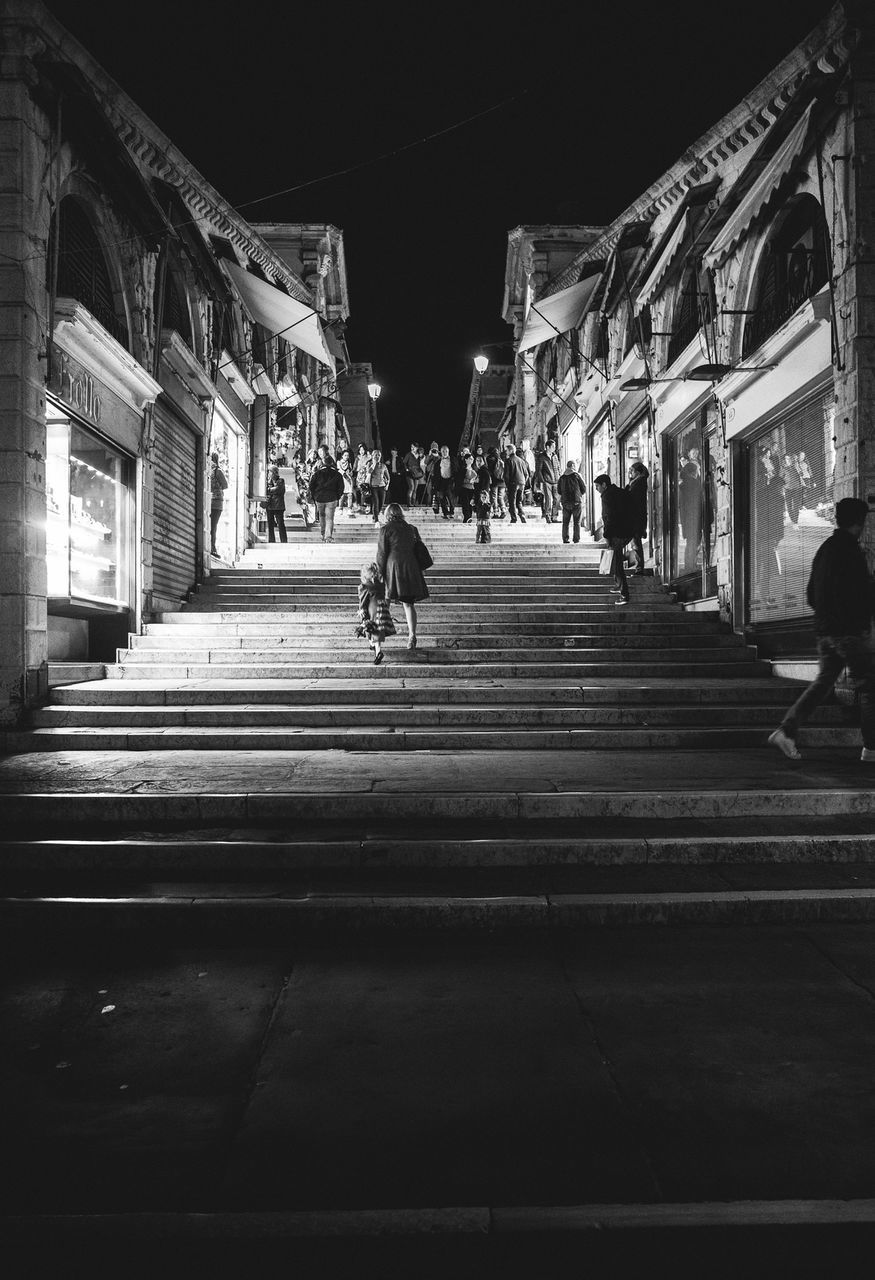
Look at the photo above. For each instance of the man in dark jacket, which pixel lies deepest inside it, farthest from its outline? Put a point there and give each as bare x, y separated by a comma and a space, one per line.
840, 593
571, 494
516, 477
616, 523
547, 475
326, 488
637, 491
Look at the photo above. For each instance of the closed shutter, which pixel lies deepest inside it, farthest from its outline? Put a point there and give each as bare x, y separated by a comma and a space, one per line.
174, 541
791, 484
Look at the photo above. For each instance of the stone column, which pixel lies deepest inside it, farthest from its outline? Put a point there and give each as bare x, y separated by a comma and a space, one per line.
24, 138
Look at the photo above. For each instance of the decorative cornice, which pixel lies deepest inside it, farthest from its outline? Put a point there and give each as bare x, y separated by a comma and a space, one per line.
85, 339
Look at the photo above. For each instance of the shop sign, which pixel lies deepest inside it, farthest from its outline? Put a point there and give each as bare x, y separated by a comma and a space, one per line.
75, 387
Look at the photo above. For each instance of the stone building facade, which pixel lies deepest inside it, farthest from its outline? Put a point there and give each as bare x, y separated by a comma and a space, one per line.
722, 331
144, 326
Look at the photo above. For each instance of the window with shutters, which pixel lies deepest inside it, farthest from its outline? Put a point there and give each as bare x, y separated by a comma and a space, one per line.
793, 269
82, 270
176, 314
692, 308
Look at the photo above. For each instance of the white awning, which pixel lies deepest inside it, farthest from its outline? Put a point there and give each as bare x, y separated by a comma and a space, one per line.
774, 172
657, 273
558, 313
280, 314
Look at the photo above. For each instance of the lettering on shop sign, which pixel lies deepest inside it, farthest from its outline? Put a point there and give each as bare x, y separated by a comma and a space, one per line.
75, 386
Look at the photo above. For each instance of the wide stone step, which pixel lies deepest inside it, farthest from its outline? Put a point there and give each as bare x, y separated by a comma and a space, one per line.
393, 692
413, 738
258, 650
323, 640
415, 668
605, 846
181, 625
451, 611
510, 715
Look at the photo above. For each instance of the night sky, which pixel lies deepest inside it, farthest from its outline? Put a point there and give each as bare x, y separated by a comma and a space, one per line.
597, 100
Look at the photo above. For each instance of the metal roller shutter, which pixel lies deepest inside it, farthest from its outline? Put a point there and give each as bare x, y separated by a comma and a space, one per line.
174, 542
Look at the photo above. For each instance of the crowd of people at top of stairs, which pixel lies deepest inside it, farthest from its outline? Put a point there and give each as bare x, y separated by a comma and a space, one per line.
491, 484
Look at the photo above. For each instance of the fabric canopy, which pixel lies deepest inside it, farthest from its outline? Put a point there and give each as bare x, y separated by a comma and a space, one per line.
773, 174
280, 314
658, 271
558, 313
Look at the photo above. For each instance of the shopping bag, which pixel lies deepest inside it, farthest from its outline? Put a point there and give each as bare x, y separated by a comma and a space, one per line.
606, 564
423, 555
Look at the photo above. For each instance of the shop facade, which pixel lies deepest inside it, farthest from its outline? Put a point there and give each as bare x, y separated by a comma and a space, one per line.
97, 398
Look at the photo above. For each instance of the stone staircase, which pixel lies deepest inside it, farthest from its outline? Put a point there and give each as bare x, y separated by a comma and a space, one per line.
543, 756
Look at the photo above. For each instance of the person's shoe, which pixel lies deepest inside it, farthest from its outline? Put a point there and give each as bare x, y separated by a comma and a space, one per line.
379, 658
565, 541
411, 642
522, 519
787, 746
867, 755
622, 600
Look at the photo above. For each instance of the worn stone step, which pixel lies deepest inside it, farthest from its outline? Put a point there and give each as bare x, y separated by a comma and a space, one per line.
273, 915
324, 640
409, 738
422, 716
393, 692
415, 668
187, 624
768, 844
257, 651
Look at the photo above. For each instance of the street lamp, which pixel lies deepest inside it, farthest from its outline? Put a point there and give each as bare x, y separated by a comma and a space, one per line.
481, 363
374, 390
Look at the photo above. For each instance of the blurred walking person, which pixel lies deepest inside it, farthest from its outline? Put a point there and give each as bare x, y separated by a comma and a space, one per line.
637, 491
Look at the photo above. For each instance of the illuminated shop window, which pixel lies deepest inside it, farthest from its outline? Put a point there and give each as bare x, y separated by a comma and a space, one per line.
88, 517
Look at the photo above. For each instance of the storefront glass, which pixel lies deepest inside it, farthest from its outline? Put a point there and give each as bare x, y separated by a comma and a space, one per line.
693, 506
89, 512
599, 463
634, 447
226, 443
792, 505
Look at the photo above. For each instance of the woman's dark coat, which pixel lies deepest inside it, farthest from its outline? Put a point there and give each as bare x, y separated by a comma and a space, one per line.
326, 483
397, 562
276, 495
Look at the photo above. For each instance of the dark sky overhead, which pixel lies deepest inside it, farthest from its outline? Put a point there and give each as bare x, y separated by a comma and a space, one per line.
591, 102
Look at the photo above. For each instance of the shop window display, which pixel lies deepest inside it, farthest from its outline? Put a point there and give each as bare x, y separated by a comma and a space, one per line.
792, 505
88, 514
694, 506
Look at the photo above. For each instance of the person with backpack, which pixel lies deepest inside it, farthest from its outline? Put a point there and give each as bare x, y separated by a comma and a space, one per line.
572, 491
516, 477
548, 478
497, 491
617, 526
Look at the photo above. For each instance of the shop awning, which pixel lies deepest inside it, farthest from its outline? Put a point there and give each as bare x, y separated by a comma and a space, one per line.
773, 174
558, 313
670, 251
298, 324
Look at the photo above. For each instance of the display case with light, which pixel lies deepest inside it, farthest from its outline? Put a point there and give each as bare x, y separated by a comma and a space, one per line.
89, 513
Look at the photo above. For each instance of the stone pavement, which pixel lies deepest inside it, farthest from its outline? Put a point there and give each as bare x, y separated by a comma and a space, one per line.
724, 1070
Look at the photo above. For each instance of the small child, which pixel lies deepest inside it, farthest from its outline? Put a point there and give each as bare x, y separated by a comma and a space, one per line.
483, 508
375, 619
